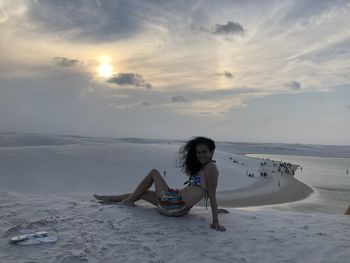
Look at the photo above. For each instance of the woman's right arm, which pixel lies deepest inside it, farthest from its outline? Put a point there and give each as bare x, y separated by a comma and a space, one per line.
212, 181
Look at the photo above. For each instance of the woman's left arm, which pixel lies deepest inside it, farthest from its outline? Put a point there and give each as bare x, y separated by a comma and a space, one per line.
212, 182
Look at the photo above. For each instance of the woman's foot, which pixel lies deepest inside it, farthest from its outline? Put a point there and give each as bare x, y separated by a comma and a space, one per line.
104, 199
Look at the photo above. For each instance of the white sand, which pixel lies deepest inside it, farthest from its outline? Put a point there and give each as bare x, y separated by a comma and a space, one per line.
48, 187
90, 232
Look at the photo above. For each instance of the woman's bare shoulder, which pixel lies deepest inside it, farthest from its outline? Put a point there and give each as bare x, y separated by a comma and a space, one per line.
211, 168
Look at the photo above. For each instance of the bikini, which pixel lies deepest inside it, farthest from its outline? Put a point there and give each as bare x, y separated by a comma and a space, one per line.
195, 180
171, 203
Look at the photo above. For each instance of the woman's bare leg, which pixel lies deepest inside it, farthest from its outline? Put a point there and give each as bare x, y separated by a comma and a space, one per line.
111, 198
153, 177
149, 196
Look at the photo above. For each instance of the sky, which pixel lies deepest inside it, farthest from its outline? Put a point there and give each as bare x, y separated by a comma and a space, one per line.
247, 71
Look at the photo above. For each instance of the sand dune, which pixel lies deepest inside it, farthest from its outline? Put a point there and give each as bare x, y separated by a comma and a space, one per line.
48, 186
91, 232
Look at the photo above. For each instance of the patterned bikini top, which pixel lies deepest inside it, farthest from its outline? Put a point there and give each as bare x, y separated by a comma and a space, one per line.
194, 180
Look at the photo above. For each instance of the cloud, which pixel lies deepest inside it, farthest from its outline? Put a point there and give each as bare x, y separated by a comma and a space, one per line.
132, 79
308, 9
231, 28
348, 107
228, 74
66, 62
124, 106
295, 85
145, 103
244, 91
96, 21
3, 16
180, 99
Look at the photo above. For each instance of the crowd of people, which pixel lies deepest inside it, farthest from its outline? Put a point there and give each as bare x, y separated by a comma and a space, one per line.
285, 168
282, 168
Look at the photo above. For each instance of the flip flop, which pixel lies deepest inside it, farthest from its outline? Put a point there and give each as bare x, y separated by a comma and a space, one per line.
33, 239
37, 240
26, 236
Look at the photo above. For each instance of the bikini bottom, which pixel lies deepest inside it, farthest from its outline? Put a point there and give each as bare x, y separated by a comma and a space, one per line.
171, 203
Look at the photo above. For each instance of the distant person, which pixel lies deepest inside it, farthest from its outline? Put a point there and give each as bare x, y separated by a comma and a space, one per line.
196, 162
347, 171
347, 211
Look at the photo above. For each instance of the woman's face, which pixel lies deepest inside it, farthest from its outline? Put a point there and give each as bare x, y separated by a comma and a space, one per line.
204, 155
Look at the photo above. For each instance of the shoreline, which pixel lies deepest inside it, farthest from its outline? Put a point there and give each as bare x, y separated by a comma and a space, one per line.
291, 190
271, 190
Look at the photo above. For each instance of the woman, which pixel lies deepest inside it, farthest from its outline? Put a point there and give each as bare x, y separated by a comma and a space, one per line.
196, 161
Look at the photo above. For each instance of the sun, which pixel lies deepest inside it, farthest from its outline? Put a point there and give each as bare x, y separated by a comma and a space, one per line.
105, 70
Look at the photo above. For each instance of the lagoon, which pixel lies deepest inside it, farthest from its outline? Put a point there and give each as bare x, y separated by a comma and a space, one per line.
326, 175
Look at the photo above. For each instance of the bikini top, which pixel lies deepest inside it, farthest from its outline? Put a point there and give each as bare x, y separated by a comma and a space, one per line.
194, 180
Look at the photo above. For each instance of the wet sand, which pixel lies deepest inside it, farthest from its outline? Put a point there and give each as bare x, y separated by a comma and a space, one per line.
266, 192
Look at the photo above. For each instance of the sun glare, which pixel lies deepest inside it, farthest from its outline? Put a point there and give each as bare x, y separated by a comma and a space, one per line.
105, 70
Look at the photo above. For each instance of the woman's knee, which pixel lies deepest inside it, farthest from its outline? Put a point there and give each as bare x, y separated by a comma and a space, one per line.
154, 172
158, 179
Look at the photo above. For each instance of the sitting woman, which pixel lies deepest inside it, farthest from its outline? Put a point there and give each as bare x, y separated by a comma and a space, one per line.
196, 161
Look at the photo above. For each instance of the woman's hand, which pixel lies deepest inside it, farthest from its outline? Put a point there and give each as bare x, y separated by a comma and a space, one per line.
217, 227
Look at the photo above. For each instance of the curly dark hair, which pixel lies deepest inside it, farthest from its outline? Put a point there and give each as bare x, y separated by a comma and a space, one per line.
187, 155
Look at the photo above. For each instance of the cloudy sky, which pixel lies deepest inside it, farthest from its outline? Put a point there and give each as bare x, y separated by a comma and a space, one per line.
254, 71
